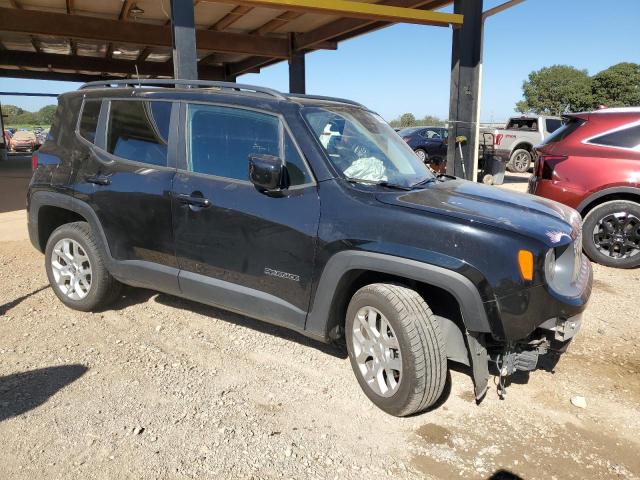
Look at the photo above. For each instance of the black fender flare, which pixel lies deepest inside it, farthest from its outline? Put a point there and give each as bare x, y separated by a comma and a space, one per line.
473, 309
41, 198
603, 193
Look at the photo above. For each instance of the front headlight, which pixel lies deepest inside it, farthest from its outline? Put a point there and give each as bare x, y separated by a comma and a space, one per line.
550, 265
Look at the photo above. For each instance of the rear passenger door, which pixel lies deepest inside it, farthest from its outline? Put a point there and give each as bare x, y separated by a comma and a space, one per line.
126, 179
237, 247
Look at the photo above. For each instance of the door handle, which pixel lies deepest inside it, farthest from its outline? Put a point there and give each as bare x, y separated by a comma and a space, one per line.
98, 179
194, 201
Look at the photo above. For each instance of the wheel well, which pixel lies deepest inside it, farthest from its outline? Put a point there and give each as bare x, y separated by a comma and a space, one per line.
50, 218
524, 146
632, 197
441, 302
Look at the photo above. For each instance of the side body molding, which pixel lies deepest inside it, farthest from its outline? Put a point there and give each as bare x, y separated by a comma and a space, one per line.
318, 320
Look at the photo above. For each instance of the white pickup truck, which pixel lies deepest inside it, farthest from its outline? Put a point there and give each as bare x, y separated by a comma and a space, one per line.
514, 143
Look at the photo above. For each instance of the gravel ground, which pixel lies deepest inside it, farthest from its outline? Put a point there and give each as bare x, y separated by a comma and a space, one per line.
159, 387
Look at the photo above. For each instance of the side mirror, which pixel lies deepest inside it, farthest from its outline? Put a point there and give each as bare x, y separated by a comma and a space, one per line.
267, 172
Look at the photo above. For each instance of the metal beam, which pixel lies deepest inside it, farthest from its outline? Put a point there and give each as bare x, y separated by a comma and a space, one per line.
349, 8
334, 31
500, 8
98, 64
297, 80
66, 77
142, 34
464, 102
183, 35
27, 94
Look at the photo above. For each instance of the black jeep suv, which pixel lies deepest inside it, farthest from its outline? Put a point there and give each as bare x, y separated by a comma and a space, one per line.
307, 212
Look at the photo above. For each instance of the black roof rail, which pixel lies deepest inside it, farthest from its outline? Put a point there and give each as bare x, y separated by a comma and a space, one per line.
132, 82
329, 99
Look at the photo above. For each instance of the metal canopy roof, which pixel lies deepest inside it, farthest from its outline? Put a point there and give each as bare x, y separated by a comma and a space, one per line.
85, 40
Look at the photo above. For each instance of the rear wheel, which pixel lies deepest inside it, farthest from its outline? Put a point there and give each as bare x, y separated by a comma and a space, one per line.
396, 348
520, 161
76, 269
611, 234
422, 155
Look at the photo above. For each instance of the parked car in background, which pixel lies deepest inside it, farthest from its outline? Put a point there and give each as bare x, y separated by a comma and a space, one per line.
592, 163
5, 142
23, 141
310, 213
514, 143
429, 143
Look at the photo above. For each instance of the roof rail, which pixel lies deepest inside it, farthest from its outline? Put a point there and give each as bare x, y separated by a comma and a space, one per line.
329, 99
132, 82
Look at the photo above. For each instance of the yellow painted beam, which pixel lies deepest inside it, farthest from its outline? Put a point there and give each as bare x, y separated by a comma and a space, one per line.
349, 8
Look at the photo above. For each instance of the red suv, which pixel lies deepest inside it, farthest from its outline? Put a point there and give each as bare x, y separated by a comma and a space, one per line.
592, 163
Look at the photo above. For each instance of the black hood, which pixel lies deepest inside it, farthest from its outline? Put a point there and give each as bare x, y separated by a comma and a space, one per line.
545, 220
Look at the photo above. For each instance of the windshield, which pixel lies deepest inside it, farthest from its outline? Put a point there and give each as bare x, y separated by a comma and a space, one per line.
363, 147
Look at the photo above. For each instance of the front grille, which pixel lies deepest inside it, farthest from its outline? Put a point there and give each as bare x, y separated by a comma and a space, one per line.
577, 255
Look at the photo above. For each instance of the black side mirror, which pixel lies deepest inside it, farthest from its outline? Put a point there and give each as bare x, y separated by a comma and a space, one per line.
268, 173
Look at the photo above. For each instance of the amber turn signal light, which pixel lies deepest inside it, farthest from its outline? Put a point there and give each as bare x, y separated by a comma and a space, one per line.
525, 261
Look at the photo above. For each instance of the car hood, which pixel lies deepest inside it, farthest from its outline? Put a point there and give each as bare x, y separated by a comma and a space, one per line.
545, 220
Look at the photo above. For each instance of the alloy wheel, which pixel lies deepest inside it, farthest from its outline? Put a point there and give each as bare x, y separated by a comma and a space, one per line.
71, 269
618, 235
377, 351
422, 155
521, 162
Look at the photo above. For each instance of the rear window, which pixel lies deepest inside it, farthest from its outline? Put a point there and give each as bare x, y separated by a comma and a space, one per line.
564, 131
525, 124
139, 130
553, 124
89, 119
626, 137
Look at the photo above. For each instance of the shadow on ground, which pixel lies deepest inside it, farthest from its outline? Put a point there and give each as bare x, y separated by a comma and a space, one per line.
134, 296
511, 178
4, 308
22, 392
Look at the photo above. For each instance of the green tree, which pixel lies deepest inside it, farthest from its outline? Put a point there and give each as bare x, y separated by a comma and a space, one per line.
407, 120
617, 86
45, 114
556, 90
11, 110
432, 121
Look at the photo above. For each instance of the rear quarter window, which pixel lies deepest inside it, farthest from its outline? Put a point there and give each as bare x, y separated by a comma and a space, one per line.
89, 119
627, 137
564, 131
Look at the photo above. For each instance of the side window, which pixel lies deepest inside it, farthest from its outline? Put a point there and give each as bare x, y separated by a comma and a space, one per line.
221, 139
298, 172
89, 119
624, 138
139, 130
553, 124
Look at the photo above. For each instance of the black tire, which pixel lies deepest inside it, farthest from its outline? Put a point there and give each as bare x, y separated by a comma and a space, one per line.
520, 161
607, 214
104, 289
421, 346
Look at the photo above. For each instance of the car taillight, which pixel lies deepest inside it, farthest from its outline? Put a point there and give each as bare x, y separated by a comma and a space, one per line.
498, 139
34, 160
547, 164
406, 139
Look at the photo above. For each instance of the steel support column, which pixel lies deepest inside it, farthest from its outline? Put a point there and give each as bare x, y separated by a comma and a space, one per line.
297, 81
183, 35
464, 103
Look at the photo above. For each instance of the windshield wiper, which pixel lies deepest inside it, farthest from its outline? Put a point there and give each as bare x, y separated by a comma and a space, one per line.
424, 182
382, 183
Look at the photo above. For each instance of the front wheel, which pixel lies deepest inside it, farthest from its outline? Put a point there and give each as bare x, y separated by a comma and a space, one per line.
520, 161
396, 348
611, 234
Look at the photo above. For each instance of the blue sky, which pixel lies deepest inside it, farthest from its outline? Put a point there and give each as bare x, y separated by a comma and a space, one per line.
406, 68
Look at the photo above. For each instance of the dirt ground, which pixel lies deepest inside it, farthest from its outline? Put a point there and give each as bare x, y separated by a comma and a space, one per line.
159, 387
